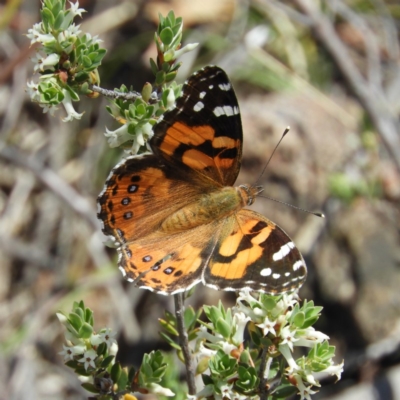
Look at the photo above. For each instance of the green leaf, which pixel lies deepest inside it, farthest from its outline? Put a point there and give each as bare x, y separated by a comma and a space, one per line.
47, 18
85, 331
223, 328
89, 316
298, 319
170, 76
284, 391
90, 387
59, 20
141, 110
149, 112
160, 78
171, 18
123, 380
107, 361
166, 36
86, 61
153, 66
75, 320
170, 341
101, 349
116, 371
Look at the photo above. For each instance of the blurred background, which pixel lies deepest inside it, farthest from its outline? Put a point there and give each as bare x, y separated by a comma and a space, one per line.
328, 69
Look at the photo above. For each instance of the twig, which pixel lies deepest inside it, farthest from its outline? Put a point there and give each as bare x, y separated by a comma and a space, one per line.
114, 94
370, 96
184, 343
53, 181
263, 373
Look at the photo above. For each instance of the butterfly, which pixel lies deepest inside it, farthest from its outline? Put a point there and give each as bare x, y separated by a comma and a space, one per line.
175, 215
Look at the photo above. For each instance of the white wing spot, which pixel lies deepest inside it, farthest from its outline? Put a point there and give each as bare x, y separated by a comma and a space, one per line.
266, 272
198, 106
225, 86
123, 271
276, 276
284, 251
218, 111
202, 94
211, 87
226, 110
287, 273
297, 265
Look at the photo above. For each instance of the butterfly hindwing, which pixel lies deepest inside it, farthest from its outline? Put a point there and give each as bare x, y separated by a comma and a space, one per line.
254, 252
203, 132
169, 264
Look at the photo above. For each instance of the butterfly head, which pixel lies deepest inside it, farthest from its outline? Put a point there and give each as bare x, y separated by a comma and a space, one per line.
249, 193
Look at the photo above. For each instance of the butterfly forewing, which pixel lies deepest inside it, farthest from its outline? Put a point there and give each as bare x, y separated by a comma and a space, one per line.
139, 194
203, 132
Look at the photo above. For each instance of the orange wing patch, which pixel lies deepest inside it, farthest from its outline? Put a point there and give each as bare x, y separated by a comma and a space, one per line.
168, 264
254, 252
180, 133
139, 195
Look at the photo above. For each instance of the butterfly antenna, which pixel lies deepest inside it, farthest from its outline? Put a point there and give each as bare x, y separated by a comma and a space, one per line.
286, 131
317, 214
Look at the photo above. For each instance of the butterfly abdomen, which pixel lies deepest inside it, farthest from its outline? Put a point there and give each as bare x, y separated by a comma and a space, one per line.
209, 207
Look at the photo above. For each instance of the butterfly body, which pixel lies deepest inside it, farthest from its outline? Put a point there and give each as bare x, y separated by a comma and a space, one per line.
208, 208
175, 215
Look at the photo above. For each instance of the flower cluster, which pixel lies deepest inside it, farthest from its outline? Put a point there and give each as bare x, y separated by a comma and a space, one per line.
139, 117
92, 356
236, 369
67, 60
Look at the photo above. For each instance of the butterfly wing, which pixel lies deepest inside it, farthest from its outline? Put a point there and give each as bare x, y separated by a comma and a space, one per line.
204, 131
169, 264
253, 252
139, 194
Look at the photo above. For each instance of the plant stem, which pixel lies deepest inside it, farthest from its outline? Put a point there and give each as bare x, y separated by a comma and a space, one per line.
184, 343
263, 373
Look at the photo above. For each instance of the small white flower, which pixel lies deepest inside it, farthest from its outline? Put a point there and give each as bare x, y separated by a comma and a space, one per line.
285, 351
73, 30
267, 326
75, 10
240, 321
103, 337
310, 337
227, 347
304, 392
138, 141
205, 352
119, 136
67, 353
50, 61
158, 389
334, 370
288, 337
88, 359
37, 34
70, 351
113, 349
69, 108
48, 108
185, 49
33, 91
171, 99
